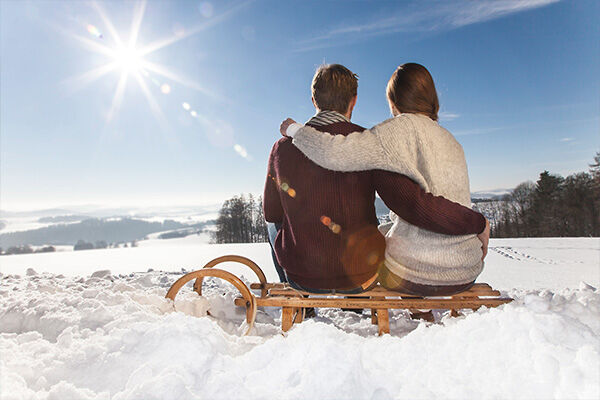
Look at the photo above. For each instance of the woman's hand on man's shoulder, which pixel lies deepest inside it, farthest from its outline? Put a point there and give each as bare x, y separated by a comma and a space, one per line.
284, 125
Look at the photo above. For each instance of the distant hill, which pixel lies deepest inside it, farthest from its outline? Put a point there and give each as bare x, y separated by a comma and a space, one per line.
486, 195
91, 230
495, 194
62, 218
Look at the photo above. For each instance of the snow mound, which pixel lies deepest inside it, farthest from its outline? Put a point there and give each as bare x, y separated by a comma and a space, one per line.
103, 273
93, 338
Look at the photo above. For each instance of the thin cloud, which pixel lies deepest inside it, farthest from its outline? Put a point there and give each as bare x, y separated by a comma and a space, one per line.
481, 131
448, 116
414, 17
486, 130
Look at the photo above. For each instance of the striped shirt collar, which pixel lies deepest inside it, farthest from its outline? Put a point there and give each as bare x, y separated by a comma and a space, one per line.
326, 117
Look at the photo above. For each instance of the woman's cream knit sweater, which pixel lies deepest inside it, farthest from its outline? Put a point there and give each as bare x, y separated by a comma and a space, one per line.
418, 147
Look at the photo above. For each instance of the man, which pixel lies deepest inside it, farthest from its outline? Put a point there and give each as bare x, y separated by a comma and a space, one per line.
323, 226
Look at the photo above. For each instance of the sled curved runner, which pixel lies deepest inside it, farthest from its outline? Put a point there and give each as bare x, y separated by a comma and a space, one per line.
293, 302
247, 297
237, 259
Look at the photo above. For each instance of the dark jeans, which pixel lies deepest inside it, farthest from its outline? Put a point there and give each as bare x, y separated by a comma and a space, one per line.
273, 229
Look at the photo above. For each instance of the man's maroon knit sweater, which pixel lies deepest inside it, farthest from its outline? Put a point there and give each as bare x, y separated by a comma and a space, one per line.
329, 237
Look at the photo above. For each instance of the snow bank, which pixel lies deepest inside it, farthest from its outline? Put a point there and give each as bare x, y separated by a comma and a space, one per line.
115, 337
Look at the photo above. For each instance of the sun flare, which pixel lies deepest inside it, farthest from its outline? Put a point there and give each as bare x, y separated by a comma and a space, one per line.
128, 59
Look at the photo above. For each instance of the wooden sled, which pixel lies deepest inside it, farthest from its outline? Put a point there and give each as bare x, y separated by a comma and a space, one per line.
294, 302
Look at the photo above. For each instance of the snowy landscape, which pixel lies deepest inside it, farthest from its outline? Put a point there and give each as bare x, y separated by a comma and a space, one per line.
139, 140
95, 325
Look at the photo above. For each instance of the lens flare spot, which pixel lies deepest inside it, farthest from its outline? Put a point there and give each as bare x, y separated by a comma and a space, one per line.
186, 106
372, 258
193, 113
285, 186
291, 192
335, 228
92, 30
240, 150
165, 88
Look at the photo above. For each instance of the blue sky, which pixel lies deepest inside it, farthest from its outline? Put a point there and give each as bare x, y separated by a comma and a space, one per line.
517, 80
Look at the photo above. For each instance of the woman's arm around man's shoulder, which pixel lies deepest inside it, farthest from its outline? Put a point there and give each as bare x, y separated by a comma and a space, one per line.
358, 151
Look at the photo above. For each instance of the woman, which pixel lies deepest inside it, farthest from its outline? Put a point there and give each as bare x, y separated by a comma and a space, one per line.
414, 144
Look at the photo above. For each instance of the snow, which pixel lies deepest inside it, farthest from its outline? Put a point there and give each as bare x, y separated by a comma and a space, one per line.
97, 326
190, 253
548, 263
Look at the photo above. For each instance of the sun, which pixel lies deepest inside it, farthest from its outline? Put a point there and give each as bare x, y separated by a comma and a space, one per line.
128, 59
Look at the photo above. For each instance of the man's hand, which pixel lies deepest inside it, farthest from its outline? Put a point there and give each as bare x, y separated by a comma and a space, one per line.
284, 126
484, 237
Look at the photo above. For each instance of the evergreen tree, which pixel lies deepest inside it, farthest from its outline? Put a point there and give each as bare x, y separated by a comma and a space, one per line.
595, 167
595, 173
578, 208
544, 218
83, 245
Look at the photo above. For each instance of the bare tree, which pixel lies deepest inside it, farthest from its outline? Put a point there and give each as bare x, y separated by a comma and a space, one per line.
241, 221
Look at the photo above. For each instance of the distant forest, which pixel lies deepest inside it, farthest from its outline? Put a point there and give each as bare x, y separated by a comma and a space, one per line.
91, 230
62, 218
241, 220
552, 207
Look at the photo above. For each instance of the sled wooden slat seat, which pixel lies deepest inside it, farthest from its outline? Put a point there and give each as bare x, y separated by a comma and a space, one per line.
278, 285
479, 289
293, 302
410, 303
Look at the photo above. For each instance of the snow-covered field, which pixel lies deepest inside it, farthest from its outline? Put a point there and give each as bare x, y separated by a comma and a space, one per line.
68, 335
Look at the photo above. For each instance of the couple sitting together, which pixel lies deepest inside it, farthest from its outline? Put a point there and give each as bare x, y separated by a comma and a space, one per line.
320, 191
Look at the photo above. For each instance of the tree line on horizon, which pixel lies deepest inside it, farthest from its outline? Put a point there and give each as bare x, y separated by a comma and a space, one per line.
26, 249
551, 207
241, 220
101, 244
